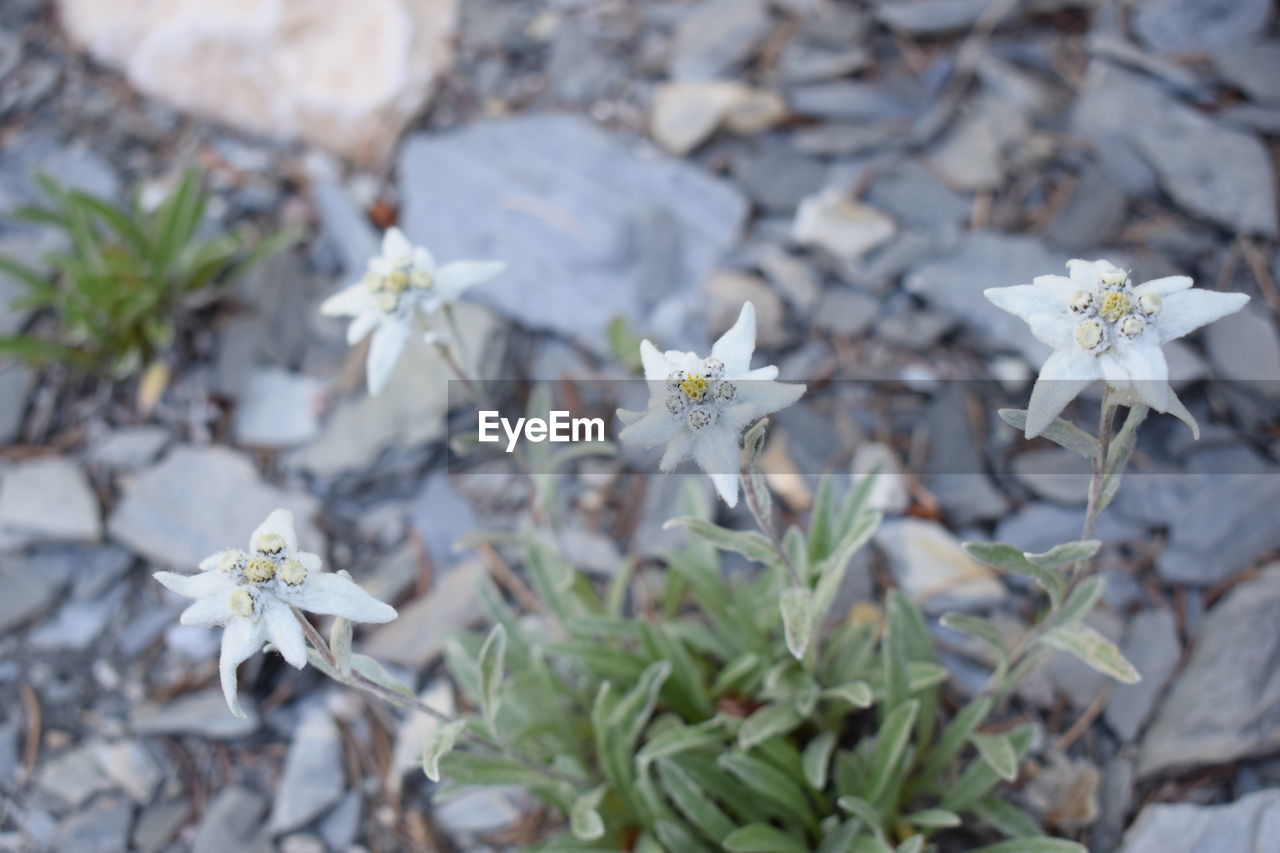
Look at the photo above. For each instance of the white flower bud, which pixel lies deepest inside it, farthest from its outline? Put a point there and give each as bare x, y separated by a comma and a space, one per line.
700, 418
1131, 327
1091, 336
1083, 303
1150, 304
713, 369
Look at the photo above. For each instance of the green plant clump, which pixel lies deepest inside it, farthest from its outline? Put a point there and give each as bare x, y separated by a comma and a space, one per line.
117, 289
695, 720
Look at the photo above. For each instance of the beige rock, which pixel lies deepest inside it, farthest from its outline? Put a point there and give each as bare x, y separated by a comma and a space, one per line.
932, 569
685, 113
845, 228
727, 290
346, 76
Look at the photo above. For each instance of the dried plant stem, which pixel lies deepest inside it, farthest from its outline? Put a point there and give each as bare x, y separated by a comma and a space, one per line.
360, 682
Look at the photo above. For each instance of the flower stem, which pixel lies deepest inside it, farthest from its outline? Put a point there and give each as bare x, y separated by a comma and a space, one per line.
361, 682
759, 506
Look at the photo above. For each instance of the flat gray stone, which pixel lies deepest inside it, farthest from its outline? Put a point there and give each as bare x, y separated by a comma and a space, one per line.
73, 776
159, 823
130, 448
200, 500
932, 569
130, 765
1193, 25
50, 497
418, 636
1252, 68
1225, 704
1151, 645
1201, 548
78, 624
314, 777
1249, 825
1037, 527
1245, 345
591, 228
230, 822
278, 408
716, 36
204, 713
15, 384
1054, 473
102, 827
30, 586
954, 280
441, 515
1210, 170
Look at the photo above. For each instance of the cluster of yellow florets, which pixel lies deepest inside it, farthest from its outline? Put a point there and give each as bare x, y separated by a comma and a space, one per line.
388, 287
1111, 309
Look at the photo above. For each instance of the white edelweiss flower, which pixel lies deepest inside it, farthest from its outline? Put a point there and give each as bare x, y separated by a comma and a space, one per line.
699, 406
1103, 326
401, 284
251, 593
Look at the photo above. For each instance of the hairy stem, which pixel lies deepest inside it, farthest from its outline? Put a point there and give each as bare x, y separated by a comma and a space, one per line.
393, 697
756, 503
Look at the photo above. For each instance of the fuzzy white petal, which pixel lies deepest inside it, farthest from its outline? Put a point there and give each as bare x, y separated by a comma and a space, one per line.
769, 371
763, 398
735, 346
1059, 287
241, 638
284, 631
1054, 330
334, 595
384, 351
396, 246
719, 455
1083, 273
362, 325
349, 302
452, 280
1063, 376
1149, 372
198, 585
657, 426
423, 259
1023, 300
213, 561
278, 523
312, 562
213, 609
656, 366
1178, 410
678, 450
1188, 310
1163, 286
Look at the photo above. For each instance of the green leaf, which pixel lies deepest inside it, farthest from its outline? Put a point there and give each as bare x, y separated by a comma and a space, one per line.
1006, 818
978, 778
816, 757
769, 721
914, 844
692, 801
1006, 558
1063, 555
753, 440
635, 708
624, 343
856, 693
439, 744
748, 543
739, 670
681, 738
1060, 432
980, 628
675, 837
1081, 600
1034, 845
891, 744
997, 751
584, 820
1094, 649
492, 665
933, 819
831, 570
822, 522
340, 643
956, 734
1118, 454
770, 783
762, 838
863, 810
374, 671
796, 604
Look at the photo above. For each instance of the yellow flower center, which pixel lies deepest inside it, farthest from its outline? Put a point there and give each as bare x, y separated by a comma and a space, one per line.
241, 602
259, 570
694, 386
398, 281
373, 281
1114, 306
1088, 334
229, 560
269, 543
293, 572
1150, 303
422, 279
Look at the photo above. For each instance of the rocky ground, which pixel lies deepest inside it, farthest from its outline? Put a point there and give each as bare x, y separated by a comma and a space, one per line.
861, 171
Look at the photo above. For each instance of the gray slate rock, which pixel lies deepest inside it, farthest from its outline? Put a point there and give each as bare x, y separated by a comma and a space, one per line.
1037, 527
50, 497
73, 776
845, 313
102, 827
1210, 170
15, 384
314, 777
278, 408
1191, 25
231, 820
198, 501
1054, 473
1245, 345
954, 281
30, 586
1092, 214
204, 713
130, 448
159, 823
583, 222
1249, 825
1225, 705
717, 36
1253, 68
418, 636
1151, 645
